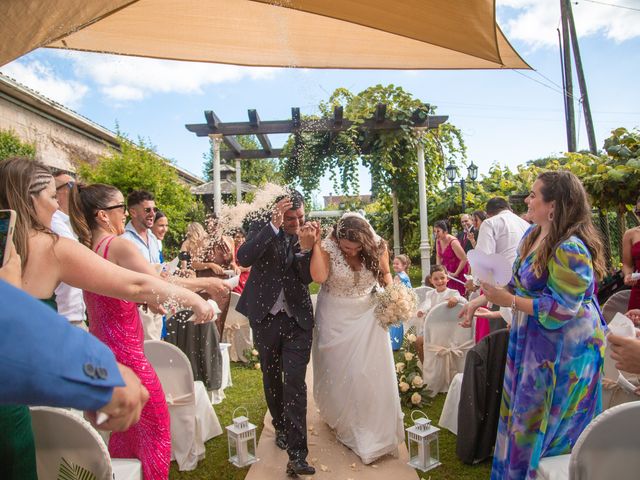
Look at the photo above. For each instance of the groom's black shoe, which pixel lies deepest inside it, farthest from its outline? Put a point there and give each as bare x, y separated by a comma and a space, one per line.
299, 466
281, 440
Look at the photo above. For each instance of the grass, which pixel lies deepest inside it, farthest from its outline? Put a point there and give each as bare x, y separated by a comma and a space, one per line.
247, 391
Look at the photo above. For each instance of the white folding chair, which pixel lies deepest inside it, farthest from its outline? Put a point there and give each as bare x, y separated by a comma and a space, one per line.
193, 419
618, 302
449, 415
65, 440
445, 347
237, 332
217, 396
607, 448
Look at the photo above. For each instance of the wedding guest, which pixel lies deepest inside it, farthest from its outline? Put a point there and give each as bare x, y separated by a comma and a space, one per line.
160, 229
464, 237
28, 187
142, 209
477, 218
69, 300
631, 261
98, 216
451, 255
440, 294
210, 254
238, 240
552, 384
401, 264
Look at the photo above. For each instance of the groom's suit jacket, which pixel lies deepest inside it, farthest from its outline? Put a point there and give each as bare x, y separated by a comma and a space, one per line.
272, 269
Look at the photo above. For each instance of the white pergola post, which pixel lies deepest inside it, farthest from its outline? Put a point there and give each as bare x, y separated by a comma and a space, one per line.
216, 139
425, 249
238, 181
396, 224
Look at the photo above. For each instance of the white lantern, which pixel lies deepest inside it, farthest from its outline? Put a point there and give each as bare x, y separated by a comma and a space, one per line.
242, 440
423, 443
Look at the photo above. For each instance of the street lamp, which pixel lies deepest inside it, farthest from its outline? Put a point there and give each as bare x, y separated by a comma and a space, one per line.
452, 174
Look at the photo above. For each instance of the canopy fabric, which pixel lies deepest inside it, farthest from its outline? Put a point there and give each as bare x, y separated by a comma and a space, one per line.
355, 34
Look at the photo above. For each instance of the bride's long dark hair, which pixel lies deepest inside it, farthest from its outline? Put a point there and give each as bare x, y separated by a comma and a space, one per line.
357, 230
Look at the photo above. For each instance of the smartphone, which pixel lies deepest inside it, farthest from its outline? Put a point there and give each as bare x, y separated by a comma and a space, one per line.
7, 223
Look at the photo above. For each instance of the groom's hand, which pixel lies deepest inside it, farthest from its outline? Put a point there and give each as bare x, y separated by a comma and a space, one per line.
277, 216
307, 236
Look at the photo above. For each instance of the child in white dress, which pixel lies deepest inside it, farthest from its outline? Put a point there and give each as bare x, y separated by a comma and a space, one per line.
440, 294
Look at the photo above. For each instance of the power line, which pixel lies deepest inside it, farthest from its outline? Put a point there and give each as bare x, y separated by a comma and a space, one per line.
612, 5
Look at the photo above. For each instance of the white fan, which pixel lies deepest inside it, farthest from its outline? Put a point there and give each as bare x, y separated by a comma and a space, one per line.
493, 269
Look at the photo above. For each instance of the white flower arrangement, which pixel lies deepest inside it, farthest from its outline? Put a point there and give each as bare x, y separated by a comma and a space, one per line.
394, 305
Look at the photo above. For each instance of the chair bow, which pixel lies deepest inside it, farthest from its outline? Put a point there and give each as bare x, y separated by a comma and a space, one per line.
185, 399
447, 354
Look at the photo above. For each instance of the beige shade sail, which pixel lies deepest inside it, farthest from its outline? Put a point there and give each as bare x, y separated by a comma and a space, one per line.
357, 34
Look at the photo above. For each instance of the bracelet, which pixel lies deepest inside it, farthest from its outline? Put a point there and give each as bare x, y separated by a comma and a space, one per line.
513, 304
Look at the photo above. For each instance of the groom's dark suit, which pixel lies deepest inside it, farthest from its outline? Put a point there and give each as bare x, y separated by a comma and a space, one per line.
283, 341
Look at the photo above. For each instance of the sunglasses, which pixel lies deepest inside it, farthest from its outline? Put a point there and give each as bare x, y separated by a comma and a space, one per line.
150, 209
637, 212
113, 207
68, 184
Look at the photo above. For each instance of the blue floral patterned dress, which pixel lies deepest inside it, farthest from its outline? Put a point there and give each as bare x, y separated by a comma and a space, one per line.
552, 384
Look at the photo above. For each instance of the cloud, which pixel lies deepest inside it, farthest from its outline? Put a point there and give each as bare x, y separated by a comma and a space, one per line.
42, 78
131, 78
534, 22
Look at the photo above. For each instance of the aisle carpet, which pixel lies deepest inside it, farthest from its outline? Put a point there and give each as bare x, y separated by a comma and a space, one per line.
331, 459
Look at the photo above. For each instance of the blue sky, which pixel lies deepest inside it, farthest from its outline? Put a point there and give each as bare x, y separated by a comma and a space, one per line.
506, 117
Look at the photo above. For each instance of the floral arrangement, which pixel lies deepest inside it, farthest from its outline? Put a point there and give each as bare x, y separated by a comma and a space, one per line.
413, 390
253, 358
395, 304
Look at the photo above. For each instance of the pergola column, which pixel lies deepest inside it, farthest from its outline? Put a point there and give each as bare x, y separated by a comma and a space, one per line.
425, 249
216, 140
396, 224
238, 181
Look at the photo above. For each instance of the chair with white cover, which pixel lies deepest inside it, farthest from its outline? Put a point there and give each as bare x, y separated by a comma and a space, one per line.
445, 347
66, 442
414, 324
607, 448
237, 331
618, 302
612, 393
193, 419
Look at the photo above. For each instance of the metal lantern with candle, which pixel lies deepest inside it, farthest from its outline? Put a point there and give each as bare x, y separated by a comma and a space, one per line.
423, 443
241, 436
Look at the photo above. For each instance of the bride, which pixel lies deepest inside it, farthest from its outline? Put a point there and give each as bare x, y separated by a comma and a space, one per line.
354, 381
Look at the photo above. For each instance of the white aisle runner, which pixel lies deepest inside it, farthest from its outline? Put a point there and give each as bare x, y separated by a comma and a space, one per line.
331, 459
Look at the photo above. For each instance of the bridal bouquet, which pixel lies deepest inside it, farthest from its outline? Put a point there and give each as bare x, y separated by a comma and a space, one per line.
394, 304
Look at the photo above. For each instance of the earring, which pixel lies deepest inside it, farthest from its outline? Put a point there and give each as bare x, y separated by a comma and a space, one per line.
550, 216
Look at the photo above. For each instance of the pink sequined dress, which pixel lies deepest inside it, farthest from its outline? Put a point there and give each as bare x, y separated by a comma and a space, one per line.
117, 324
451, 262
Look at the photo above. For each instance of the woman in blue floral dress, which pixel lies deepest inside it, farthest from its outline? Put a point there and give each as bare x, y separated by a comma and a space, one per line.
552, 384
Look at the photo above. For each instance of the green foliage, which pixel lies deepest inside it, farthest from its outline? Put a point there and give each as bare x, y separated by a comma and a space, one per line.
256, 172
138, 167
412, 390
12, 146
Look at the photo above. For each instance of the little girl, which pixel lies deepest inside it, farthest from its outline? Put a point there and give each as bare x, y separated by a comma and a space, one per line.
401, 264
440, 294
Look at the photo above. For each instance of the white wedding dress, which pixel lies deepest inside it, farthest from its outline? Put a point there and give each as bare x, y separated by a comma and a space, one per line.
354, 380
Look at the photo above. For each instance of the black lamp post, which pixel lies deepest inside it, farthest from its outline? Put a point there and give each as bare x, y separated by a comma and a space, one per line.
452, 174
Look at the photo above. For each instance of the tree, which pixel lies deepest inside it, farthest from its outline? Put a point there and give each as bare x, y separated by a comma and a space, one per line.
12, 146
256, 172
138, 167
391, 159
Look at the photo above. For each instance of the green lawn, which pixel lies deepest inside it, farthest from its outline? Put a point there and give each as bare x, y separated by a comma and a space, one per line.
247, 391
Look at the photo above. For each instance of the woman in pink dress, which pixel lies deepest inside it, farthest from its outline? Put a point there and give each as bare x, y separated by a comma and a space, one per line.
98, 215
631, 261
450, 253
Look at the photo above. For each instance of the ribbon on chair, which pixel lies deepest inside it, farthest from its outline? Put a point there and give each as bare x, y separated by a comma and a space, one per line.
447, 354
185, 399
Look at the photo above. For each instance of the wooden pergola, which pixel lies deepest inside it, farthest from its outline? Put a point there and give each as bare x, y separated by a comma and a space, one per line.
226, 132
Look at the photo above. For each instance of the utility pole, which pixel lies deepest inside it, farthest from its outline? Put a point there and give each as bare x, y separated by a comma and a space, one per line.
568, 17
567, 81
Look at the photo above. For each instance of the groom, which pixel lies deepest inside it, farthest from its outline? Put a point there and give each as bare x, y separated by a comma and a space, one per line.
276, 301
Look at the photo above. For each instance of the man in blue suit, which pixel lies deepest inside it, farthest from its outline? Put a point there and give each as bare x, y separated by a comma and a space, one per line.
46, 361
